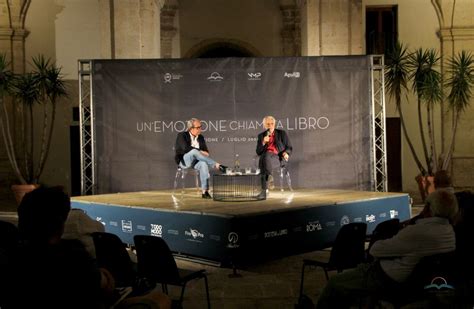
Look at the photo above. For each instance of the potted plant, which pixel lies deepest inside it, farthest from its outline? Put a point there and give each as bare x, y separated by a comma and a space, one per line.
420, 69
43, 86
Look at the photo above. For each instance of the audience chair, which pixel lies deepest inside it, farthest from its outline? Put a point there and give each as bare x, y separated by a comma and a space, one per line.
347, 251
112, 255
180, 179
156, 263
383, 230
9, 235
433, 281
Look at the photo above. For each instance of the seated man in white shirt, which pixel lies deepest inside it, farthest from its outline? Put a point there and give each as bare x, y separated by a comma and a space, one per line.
397, 257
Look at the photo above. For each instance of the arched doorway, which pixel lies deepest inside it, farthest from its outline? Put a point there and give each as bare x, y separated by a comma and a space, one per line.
222, 49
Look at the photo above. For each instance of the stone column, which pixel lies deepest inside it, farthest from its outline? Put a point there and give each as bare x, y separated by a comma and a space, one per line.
291, 30
130, 28
18, 49
13, 32
332, 27
456, 33
168, 31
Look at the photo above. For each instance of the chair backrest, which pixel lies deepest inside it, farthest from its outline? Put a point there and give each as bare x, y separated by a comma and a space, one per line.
435, 272
9, 235
349, 248
155, 260
112, 255
385, 230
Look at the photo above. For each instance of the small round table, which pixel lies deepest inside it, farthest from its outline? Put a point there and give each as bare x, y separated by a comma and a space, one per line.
237, 187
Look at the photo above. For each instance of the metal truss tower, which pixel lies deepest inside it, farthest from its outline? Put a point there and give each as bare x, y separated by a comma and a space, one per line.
379, 145
86, 123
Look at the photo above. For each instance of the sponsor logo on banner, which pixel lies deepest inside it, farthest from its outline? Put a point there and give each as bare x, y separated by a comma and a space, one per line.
313, 226
156, 230
169, 77
383, 215
233, 239
279, 233
292, 74
127, 226
215, 237
141, 227
194, 233
215, 77
331, 223
99, 219
298, 229
113, 223
370, 218
253, 237
393, 214
345, 220
358, 219
173, 232
254, 76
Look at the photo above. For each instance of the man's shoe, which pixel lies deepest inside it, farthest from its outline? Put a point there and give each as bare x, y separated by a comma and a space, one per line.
262, 195
222, 168
270, 184
206, 195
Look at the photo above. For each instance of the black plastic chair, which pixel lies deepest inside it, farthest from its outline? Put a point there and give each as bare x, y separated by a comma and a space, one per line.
156, 263
433, 281
383, 230
112, 255
347, 251
9, 235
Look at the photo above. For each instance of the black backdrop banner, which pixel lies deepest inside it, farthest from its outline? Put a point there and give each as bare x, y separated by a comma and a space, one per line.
322, 102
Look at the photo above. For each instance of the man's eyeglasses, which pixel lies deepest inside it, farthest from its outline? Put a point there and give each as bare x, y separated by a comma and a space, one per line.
197, 127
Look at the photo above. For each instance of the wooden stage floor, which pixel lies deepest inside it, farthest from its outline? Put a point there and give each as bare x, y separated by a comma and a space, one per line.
191, 201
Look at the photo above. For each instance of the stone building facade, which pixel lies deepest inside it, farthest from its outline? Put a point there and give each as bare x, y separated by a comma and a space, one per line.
68, 30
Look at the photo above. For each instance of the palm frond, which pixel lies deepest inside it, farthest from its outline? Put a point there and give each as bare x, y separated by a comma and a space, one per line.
460, 81
396, 74
6, 75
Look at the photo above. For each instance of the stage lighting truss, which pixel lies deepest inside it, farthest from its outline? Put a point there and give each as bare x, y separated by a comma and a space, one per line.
86, 123
379, 146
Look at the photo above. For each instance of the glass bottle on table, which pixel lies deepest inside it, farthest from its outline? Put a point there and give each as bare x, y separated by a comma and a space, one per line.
236, 163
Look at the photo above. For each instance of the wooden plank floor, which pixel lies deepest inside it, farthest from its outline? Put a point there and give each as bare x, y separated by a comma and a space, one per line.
191, 201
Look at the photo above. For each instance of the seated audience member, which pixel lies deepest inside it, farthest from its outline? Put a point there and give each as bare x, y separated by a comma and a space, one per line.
396, 257
443, 181
80, 226
46, 271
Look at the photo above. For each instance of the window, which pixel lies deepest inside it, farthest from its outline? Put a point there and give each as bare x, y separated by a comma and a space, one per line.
380, 29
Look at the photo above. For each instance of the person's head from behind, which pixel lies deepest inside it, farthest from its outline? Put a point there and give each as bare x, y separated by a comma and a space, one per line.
42, 214
443, 204
442, 179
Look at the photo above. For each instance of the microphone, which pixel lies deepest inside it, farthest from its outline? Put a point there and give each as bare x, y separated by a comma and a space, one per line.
268, 132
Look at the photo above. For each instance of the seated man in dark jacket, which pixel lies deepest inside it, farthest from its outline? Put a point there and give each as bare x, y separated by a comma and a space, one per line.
273, 148
191, 152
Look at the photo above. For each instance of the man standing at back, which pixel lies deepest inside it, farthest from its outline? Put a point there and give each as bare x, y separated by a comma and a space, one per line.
274, 149
191, 152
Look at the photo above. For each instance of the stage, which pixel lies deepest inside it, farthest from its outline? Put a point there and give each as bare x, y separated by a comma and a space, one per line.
242, 232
